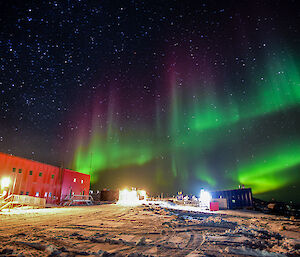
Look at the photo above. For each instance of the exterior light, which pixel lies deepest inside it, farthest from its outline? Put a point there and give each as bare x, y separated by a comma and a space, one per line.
205, 198
132, 197
128, 197
5, 182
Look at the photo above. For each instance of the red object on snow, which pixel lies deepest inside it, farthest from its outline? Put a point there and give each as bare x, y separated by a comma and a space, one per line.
34, 178
214, 206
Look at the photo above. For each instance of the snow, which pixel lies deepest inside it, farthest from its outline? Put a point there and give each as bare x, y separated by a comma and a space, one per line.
157, 229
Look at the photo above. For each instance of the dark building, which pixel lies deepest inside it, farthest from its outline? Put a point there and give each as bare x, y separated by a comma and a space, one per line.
236, 199
109, 195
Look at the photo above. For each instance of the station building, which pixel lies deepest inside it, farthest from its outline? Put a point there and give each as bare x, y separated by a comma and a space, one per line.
236, 198
21, 176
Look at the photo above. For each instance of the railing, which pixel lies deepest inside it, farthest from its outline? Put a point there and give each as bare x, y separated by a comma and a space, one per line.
2, 197
16, 200
77, 199
29, 200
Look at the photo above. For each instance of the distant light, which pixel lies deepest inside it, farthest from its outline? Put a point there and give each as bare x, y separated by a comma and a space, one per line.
5, 182
205, 198
132, 197
127, 197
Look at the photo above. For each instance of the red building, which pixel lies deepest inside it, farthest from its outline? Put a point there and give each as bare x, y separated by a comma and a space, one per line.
74, 183
26, 177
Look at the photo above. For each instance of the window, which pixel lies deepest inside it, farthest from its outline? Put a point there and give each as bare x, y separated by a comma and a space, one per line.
40, 174
14, 169
27, 193
52, 176
21, 193
30, 172
50, 194
82, 181
20, 170
45, 194
37, 193
74, 180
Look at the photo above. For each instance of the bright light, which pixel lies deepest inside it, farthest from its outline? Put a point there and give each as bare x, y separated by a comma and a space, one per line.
5, 182
132, 197
127, 197
205, 198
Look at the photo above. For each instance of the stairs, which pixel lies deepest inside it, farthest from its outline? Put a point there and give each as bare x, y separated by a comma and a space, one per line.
78, 200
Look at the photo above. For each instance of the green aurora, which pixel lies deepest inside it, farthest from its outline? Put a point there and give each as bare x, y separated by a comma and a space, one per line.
101, 155
269, 172
198, 123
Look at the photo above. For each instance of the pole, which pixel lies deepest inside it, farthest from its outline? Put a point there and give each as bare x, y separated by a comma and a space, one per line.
91, 163
13, 189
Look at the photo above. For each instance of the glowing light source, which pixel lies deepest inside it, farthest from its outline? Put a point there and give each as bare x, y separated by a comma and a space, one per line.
128, 197
5, 182
205, 198
131, 197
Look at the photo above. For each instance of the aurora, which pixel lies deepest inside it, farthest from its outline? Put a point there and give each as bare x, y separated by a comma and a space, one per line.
268, 171
169, 97
198, 122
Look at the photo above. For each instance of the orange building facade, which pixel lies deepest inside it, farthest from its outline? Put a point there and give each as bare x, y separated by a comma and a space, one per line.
26, 177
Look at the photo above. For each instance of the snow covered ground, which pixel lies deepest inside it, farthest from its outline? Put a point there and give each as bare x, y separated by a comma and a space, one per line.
158, 229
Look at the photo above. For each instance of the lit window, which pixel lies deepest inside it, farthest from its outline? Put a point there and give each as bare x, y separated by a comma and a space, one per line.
50, 194
45, 194
30, 172
37, 193
40, 174
82, 181
74, 180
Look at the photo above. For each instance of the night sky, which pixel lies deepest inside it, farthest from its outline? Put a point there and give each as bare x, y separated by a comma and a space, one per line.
162, 95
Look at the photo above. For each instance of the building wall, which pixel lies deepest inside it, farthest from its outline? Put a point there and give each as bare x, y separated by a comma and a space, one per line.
236, 198
41, 180
74, 183
31, 178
